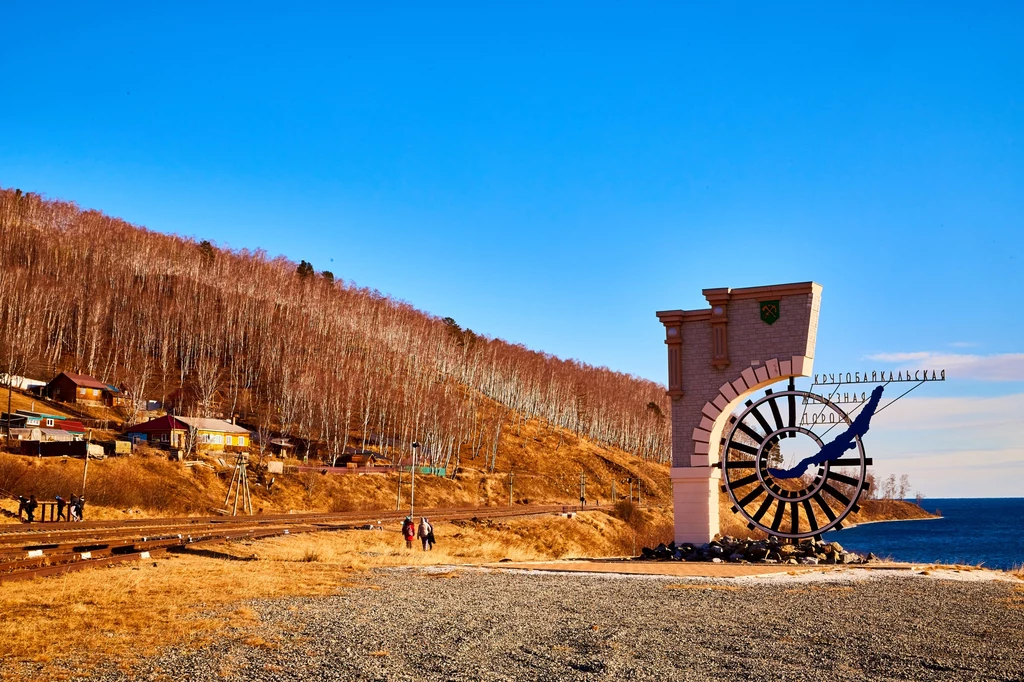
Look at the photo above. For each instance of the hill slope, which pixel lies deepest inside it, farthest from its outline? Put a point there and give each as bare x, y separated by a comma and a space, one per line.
221, 333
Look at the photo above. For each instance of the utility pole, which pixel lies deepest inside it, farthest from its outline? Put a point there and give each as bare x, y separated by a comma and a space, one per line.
614, 499
398, 502
412, 488
85, 472
639, 492
511, 478
583, 488
630, 481
10, 387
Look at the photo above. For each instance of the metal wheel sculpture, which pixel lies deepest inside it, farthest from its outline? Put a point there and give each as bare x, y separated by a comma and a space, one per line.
781, 474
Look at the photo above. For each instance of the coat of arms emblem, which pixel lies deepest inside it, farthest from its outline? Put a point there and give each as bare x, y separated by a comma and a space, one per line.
769, 311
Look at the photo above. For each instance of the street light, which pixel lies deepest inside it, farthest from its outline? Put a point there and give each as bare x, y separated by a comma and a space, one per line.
412, 489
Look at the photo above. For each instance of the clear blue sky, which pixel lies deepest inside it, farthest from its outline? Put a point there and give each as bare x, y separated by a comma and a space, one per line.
553, 176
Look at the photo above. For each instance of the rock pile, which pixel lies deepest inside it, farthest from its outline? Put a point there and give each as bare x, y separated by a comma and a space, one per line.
769, 551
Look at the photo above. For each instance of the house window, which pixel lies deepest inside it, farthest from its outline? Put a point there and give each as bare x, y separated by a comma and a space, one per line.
81, 391
241, 440
231, 440
49, 422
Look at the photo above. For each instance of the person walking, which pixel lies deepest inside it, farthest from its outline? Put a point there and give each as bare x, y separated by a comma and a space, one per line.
30, 508
73, 509
408, 531
21, 507
60, 508
81, 508
424, 532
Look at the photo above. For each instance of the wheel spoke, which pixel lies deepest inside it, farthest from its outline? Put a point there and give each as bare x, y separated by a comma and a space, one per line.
746, 480
754, 435
848, 480
811, 518
820, 499
850, 462
742, 447
763, 508
792, 406
776, 415
794, 515
759, 417
777, 521
836, 494
753, 495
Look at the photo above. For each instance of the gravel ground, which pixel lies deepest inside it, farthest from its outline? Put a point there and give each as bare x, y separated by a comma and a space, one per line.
495, 625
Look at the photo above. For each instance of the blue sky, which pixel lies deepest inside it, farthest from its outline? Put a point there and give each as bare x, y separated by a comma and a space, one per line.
553, 176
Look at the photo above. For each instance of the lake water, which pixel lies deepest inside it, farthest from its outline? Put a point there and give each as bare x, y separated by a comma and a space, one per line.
971, 531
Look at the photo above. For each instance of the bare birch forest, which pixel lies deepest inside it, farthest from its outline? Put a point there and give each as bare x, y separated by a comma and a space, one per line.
292, 352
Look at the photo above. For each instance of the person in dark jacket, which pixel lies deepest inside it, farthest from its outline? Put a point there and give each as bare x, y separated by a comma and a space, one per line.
60, 508
21, 506
408, 531
30, 508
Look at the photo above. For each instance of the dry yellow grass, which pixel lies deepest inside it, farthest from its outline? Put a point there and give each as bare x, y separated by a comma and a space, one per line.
126, 611
23, 401
547, 463
123, 612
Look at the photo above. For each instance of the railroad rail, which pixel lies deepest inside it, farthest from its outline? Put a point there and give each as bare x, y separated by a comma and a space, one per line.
58, 548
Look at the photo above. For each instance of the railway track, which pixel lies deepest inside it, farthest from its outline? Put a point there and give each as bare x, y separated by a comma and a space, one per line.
53, 549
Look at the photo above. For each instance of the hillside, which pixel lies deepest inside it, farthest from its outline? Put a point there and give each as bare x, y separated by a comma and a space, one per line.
216, 332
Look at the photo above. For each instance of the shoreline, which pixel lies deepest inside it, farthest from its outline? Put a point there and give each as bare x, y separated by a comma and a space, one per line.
865, 523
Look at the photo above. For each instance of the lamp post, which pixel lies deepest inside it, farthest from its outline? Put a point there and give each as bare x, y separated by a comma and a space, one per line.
412, 487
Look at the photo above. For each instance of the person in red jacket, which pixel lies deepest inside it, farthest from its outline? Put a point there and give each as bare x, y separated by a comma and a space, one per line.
408, 531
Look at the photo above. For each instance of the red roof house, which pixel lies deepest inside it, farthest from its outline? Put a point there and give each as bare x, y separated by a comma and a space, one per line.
68, 387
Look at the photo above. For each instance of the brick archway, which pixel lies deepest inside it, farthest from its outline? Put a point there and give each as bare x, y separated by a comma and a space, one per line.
715, 413
718, 356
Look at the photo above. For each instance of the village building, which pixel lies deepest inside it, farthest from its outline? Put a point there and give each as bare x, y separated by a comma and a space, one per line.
43, 435
68, 387
361, 458
209, 435
29, 419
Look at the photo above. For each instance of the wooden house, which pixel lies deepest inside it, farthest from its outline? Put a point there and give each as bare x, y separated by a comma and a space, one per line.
209, 435
361, 458
68, 387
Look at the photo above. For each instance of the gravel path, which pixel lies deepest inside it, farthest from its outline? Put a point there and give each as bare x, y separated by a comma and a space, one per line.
492, 625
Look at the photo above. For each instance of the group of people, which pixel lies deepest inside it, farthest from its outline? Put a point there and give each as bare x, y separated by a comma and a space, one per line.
425, 532
67, 510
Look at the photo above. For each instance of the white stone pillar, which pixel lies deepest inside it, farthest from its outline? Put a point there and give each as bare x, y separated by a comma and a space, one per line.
695, 503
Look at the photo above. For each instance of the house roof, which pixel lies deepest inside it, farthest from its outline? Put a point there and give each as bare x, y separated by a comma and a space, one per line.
39, 415
170, 423
83, 380
72, 425
57, 434
205, 424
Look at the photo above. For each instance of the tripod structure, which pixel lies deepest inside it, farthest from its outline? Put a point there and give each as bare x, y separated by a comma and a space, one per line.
240, 485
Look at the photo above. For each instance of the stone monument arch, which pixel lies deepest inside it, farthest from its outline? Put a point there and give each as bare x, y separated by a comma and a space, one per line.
745, 340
